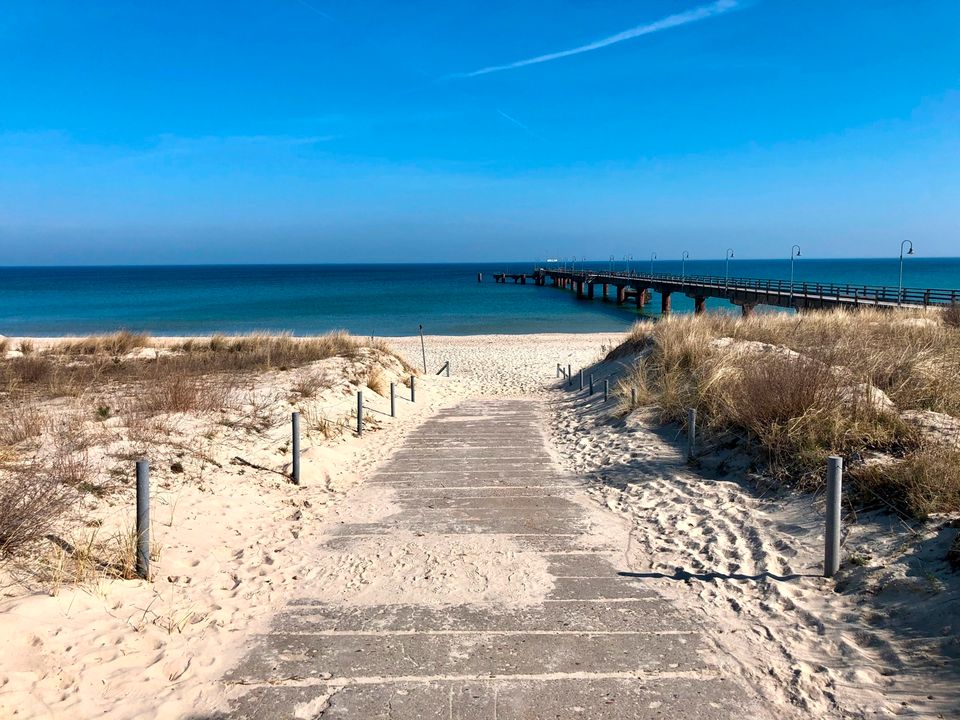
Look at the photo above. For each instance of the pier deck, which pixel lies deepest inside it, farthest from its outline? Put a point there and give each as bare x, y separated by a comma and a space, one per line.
745, 292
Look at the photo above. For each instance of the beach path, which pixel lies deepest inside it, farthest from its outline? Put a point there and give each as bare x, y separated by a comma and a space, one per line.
491, 587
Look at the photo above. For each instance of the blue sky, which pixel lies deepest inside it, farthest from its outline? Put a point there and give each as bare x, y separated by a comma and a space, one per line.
313, 130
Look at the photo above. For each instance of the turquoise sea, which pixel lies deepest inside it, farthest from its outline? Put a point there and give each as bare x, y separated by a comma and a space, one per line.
381, 300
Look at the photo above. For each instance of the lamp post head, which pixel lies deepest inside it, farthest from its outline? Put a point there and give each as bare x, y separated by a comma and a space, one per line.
910, 251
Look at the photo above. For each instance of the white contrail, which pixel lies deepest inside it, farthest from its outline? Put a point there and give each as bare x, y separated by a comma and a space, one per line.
671, 21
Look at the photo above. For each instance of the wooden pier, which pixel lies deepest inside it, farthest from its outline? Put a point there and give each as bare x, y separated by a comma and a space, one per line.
745, 292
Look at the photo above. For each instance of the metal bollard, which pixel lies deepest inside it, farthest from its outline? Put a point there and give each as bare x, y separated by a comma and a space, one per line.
569, 375
359, 413
558, 370
606, 390
591, 384
448, 368
413, 389
393, 399
581, 379
691, 432
143, 519
831, 551
295, 465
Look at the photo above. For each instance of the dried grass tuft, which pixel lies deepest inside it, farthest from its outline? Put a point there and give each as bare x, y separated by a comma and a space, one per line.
115, 344
31, 504
951, 315
802, 388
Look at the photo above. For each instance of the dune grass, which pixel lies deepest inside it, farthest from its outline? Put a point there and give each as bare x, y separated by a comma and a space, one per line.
800, 388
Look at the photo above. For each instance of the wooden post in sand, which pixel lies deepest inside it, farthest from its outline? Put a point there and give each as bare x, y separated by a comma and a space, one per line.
691, 432
581, 378
606, 390
295, 465
359, 412
143, 519
831, 552
413, 389
591, 384
393, 399
569, 374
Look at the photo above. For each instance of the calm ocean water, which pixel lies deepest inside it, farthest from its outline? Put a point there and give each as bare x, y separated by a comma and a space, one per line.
383, 300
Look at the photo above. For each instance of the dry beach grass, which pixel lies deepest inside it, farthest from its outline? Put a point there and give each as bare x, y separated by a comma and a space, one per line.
800, 388
233, 540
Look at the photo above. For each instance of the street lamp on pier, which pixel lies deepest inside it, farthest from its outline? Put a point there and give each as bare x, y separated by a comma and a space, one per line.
794, 253
900, 286
611, 263
726, 278
653, 256
683, 264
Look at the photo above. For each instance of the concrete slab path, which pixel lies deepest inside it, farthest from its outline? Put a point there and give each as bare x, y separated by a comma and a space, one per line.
594, 644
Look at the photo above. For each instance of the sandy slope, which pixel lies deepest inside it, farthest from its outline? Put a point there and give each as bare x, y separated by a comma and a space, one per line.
751, 562
236, 543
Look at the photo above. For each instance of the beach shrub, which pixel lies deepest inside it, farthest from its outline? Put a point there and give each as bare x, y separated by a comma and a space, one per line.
118, 343
800, 388
924, 481
376, 382
173, 392
18, 422
31, 504
951, 315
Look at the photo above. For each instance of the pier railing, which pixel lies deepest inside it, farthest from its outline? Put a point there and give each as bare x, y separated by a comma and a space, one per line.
780, 292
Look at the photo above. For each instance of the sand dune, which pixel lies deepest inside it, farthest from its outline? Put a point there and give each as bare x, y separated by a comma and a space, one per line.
235, 543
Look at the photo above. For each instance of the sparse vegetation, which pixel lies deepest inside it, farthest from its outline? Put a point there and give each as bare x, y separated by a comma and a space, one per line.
951, 315
31, 503
801, 388
376, 382
19, 422
115, 344
58, 396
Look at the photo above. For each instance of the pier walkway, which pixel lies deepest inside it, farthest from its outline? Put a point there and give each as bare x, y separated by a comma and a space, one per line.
576, 641
745, 292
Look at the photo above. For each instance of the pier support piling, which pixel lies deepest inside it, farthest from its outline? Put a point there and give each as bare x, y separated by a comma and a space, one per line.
590, 290
664, 303
621, 295
699, 305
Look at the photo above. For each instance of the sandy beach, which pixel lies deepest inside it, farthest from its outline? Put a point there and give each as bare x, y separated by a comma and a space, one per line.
235, 541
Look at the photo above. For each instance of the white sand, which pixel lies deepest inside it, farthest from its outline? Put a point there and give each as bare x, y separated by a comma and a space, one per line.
236, 543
